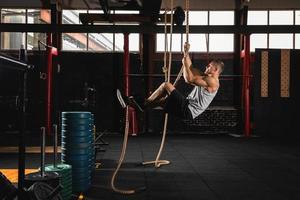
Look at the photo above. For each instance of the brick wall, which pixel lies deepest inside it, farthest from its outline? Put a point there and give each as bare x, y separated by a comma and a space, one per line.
215, 120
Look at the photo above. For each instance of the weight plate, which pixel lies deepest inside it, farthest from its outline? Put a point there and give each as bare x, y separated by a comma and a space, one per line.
76, 114
68, 127
76, 160
75, 145
77, 152
76, 121
76, 140
60, 167
77, 133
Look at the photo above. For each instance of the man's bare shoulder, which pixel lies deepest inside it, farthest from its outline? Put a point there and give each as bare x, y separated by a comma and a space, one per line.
212, 83
211, 80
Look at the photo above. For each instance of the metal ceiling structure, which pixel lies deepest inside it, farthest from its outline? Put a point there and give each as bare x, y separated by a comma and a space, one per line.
66, 28
134, 4
149, 12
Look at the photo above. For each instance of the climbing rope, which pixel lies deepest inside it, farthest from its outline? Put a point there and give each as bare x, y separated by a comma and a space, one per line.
159, 162
207, 51
112, 183
187, 32
167, 71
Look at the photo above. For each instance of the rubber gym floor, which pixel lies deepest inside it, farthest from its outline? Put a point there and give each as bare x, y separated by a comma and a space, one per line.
206, 167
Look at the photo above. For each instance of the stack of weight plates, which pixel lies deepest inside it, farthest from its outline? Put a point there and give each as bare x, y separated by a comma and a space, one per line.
94, 136
65, 172
77, 147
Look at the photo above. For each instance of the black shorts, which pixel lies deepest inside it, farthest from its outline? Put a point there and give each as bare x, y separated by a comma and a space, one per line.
177, 104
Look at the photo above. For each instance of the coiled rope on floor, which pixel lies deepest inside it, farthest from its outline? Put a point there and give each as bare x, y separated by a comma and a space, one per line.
157, 163
121, 159
122, 156
167, 72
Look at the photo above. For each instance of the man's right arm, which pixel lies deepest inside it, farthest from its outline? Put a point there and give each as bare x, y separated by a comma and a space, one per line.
187, 72
190, 73
196, 71
186, 61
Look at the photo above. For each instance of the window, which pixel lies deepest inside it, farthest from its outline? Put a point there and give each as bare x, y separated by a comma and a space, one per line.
160, 42
221, 42
221, 18
126, 12
119, 42
176, 42
13, 16
216, 42
257, 17
12, 40
258, 41
276, 17
297, 41
71, 16
74, 41
160, 38
197, 42
37, 16
281, 41
281, 17
33, 41
198, 18
297, 17
101, 42
134, 42
96, 41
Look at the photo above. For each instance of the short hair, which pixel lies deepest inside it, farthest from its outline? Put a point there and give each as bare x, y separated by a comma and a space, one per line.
218, 64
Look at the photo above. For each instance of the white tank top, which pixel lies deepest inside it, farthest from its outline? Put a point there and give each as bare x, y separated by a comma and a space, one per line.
199, 99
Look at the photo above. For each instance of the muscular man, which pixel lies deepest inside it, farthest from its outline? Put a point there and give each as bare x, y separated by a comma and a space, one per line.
205, 84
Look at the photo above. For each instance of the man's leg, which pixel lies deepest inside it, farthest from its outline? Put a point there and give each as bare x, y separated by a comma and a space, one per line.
160, 93
176, 104
169, 88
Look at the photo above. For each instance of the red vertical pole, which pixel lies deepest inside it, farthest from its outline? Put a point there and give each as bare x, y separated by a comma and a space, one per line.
133, 126
49, 84
246, 85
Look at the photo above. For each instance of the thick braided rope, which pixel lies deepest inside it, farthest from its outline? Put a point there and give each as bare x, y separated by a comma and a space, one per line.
171, 42
207, 50
157, 161
187, 28
112, 183
166, 48
187, 31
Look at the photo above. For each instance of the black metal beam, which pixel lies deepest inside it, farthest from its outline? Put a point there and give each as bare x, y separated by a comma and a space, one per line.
67, 28
12, 64
92, 18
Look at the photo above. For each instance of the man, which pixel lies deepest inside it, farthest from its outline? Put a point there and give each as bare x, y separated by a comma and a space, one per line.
205, 84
